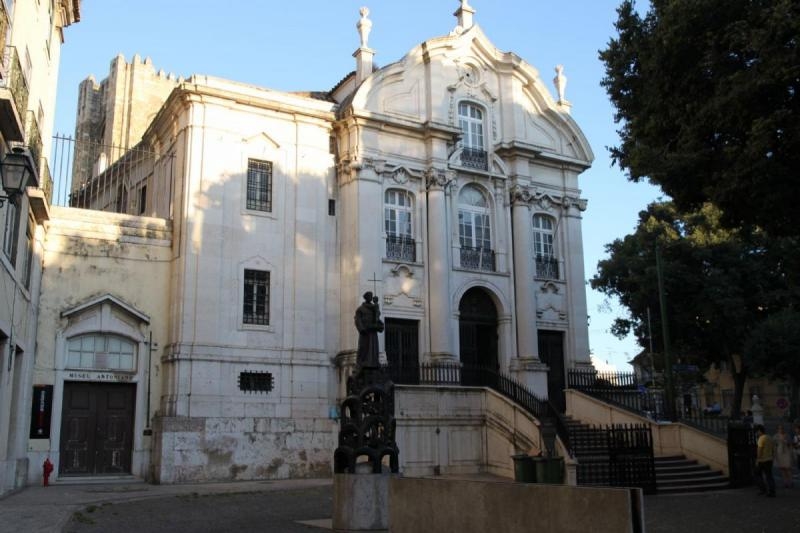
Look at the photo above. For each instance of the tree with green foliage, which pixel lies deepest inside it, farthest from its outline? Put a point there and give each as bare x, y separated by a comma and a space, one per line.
719, 284
707, 95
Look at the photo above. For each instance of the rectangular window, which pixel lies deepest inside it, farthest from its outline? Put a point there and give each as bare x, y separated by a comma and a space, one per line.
259, 185
11, 232
256, 297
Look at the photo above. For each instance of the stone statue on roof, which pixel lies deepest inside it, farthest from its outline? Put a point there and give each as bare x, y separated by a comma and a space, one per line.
364, 26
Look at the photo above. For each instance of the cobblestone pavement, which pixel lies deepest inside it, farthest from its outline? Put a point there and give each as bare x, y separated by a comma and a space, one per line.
728, 511
305, 506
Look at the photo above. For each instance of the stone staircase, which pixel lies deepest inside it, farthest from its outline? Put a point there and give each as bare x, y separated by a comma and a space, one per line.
676, 474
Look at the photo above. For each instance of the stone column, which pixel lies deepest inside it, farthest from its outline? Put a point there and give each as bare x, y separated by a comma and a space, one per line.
575, 278
522, 230
439, 311
526, 366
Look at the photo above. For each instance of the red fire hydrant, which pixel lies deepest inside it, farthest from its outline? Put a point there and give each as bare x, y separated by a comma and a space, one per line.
47, 469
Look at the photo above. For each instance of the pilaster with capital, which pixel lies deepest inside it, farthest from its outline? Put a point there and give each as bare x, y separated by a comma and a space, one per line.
524, 295
439, 317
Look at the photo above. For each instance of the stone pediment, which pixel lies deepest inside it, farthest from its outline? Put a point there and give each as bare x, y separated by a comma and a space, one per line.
116, 305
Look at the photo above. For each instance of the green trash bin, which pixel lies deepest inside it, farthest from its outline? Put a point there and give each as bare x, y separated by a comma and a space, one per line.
524, 469
549, 469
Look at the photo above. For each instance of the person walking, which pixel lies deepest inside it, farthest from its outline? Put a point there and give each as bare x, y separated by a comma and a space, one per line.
783, 456
764, 454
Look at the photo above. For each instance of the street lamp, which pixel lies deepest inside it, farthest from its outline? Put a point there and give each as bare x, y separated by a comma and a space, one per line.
16, 172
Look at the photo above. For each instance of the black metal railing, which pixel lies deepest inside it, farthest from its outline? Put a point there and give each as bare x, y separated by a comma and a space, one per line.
477, 258
92, 175
474, 158
619, 455
623, 390
546, 267
4, 25
33, 138
14, 80
401, 248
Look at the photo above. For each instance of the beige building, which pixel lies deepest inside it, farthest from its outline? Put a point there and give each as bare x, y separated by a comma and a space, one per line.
205, 331
31, 34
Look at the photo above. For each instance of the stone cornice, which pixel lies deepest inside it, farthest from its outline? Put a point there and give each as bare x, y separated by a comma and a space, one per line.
522, 149
532, 196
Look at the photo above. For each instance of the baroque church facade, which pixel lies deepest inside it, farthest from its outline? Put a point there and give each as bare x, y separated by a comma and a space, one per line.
204, 330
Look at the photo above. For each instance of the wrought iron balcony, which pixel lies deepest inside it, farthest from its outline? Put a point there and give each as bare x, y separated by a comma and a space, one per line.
33, 138
14, 80
547, 267
474, 158
477, 258
401, 248
4, 27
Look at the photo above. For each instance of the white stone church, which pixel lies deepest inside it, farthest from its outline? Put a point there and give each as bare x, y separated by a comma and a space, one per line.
197, 297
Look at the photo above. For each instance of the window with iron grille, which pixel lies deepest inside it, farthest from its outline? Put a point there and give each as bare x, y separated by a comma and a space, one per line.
256, 297
398, 224
543, 249
259, 185
470, 120
474, 230
255, 381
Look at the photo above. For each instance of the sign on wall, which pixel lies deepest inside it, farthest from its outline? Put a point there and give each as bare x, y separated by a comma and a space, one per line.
41, 409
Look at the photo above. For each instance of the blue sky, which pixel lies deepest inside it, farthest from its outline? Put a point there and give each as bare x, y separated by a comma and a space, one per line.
308, 45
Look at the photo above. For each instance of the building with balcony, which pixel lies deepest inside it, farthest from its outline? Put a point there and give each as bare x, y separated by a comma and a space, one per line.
31, 35
209, 320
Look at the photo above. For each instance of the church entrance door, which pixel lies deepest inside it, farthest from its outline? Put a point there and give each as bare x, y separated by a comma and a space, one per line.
97, 428
402, 349
477, 329
551, 352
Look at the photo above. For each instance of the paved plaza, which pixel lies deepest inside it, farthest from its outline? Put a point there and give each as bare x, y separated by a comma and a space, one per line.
305, 506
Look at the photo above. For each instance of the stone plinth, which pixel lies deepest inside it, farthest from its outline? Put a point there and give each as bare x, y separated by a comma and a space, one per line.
361, 502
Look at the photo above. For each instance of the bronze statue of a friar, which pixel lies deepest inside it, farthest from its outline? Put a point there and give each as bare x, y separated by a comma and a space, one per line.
369, 324
367, 424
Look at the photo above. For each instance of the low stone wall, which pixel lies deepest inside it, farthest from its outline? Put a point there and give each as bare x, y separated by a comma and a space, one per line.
236, 449
460, 430
466, 506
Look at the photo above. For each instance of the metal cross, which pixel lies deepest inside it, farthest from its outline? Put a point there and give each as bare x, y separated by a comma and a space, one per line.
374, 281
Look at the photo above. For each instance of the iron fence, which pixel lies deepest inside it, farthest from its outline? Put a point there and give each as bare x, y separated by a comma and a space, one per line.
97, 176
623, 390
615, 455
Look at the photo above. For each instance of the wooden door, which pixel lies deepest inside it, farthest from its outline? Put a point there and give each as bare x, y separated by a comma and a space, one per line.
551, 352
402, 349
97, 428
477, 330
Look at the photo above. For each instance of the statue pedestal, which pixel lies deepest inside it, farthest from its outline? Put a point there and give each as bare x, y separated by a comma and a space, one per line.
361, 502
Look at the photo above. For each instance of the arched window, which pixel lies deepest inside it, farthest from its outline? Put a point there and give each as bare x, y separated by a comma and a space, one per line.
474, 229
543, 249
398, 220
101, 352
470, 120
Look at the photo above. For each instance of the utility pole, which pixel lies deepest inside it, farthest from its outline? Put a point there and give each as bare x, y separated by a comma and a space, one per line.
662, 299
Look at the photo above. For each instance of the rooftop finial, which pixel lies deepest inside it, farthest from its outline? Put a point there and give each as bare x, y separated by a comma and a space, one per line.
364, 26
464, 16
